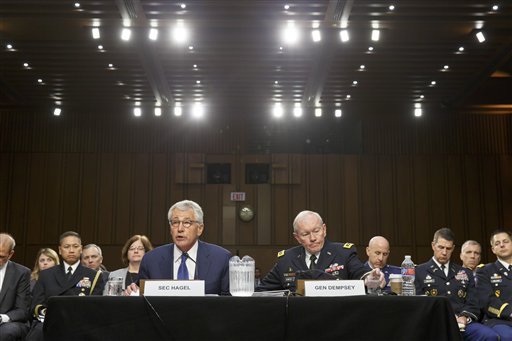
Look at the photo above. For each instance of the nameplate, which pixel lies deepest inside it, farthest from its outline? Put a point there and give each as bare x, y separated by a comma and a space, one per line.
334, 288
173, 288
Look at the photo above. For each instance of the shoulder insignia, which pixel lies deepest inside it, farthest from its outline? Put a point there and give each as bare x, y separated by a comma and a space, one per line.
348, 245
480, 265
281, 253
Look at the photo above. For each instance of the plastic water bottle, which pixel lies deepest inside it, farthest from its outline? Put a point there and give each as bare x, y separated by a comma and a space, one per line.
408, 275
241, 276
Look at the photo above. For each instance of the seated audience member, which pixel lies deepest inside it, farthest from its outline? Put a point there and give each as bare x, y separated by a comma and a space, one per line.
317, 254
14, 293
46, 258
257, 277
470, 255
441, 277
133, 250
92, 257
69, 278
494, 285
187, 257
378, 254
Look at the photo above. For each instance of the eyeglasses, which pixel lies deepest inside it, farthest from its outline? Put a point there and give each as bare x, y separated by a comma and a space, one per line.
186, 223
139, 248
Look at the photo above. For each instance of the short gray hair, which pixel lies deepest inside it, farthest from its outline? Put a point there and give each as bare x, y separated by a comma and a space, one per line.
302, 215
186, 205
7, 239
90, 246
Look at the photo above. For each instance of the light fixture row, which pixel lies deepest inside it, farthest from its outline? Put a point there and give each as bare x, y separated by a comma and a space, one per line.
278, 110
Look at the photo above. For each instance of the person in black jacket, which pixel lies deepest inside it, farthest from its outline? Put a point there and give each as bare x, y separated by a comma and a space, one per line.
441, 277
315, 253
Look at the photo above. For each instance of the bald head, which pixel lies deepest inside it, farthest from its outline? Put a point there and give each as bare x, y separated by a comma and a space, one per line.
378, 252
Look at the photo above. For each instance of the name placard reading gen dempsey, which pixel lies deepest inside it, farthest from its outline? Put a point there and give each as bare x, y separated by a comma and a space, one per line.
334, 288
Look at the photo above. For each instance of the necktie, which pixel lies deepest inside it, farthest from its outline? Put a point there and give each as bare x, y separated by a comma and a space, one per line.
443, 267
182, 270
312, 264
69, 273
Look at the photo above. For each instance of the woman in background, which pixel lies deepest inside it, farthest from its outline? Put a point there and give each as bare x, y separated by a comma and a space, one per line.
133, 250
46, 258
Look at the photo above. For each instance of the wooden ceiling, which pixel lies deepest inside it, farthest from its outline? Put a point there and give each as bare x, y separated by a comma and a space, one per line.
236, 57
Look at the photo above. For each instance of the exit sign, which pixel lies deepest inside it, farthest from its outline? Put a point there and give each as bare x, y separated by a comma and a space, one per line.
237, 196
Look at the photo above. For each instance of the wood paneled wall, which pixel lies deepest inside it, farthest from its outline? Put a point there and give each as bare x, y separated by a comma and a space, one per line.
110, 180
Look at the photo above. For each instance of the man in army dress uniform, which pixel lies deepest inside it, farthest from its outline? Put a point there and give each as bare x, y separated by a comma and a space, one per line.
378, 254
494, 285
70, 278
314, 253
440, 277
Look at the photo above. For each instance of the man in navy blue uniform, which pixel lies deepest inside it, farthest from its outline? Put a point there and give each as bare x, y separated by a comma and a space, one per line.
315, 253
441, 277
494, 285
378, 254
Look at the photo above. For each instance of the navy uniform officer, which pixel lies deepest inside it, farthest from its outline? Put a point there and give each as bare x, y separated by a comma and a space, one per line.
378, 254
440, 277
70, 278
494, 285
340, 260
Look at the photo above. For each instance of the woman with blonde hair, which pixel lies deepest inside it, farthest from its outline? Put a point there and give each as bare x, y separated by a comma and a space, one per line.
133, 250
46, 258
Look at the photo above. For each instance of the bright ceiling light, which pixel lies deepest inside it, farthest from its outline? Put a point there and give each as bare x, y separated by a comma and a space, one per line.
495, 7
57, 111
418, 111
318, 112
391, 7
362, 67
344, 36
433, 83
100, 47
290, 33
153, 34
338, 113
26, 65
370, 48
95, 33
297, 110
126, 34
77, 5
286, 7
354, 83
198, 110
480, 36
375, 35
316, 35
177, 109
180, 34
446, 67
137, 112
158, 111
39, 80
183, 6
278, 110
461, 48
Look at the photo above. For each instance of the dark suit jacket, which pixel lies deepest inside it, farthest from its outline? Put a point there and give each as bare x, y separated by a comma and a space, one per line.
53, 282
337, 259
458, 287
15, 294
494, 286
212, 266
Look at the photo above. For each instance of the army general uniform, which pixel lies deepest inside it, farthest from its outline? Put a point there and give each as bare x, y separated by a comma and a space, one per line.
494, 287
337, 259
459, 287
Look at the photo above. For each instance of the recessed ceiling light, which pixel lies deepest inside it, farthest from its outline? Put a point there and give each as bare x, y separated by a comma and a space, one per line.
276, 82
375, 35
370, 48
278, 110
100, 47
95, 33
180, 33
183, 6
40, 81
57, 111
137, 111
354, 83
433, 83
316, 35
158, 111
280, 48
290, 33
77, 5
348, 97
344, 36
338, 113
318, 112
362, 67
191, 47
26, 65
446, 67
422, 96
153, 34
9, 46
195, 66
177, 109
126, 33
391, 7
111, 65
461, 49
495, 7
286, 7
480, 36
198, 82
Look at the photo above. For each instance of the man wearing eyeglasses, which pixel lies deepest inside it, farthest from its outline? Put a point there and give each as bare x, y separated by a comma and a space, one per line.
187, 257
317, 254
